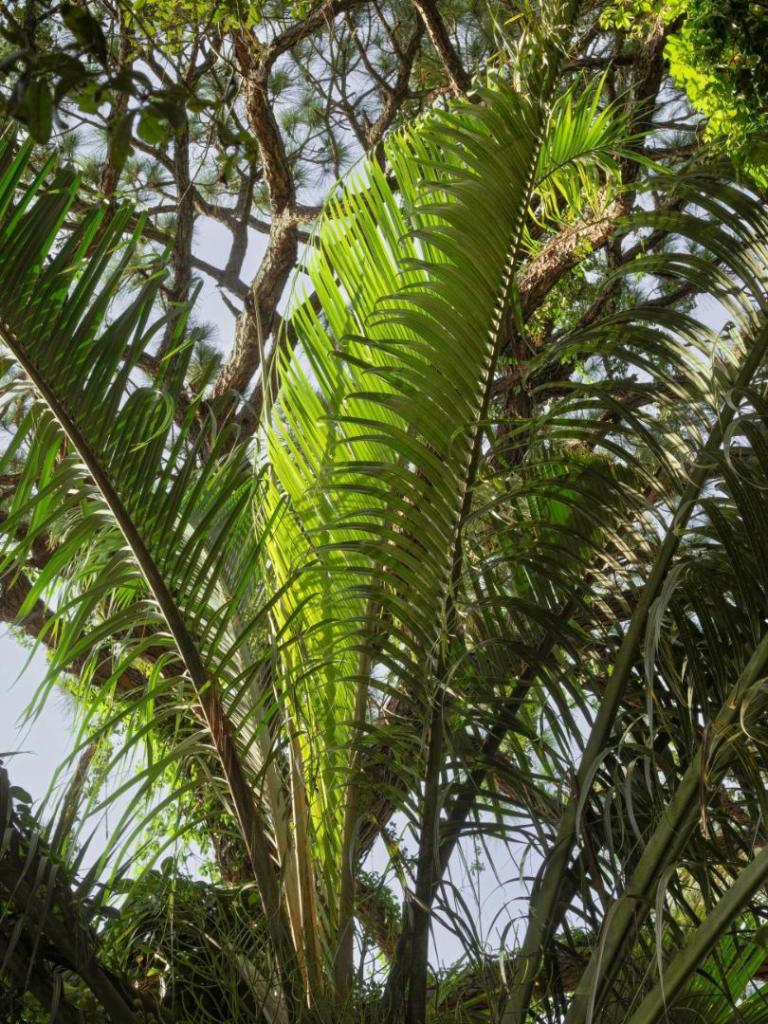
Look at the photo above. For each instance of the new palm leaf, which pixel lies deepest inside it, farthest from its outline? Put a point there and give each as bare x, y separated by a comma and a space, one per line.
376, 432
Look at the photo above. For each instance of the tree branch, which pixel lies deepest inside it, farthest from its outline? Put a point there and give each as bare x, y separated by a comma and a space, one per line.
438, 36
257, 319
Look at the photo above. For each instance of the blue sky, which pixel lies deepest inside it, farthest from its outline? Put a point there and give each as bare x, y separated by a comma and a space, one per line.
44, 742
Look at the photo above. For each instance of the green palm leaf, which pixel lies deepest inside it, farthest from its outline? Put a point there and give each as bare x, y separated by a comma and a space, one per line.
148, 510
377, 430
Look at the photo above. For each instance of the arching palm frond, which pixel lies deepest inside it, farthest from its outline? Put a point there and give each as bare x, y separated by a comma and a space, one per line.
377, 433
150, 514
419, 595
715, 389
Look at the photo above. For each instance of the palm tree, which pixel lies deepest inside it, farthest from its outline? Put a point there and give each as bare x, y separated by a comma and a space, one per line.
397, 606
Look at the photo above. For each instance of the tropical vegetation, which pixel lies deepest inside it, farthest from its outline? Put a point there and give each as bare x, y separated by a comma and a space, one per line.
451, 565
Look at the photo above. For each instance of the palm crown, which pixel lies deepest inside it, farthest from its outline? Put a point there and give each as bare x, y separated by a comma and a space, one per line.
387, 608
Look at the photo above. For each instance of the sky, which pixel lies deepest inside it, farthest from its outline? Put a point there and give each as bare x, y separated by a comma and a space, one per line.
42, 743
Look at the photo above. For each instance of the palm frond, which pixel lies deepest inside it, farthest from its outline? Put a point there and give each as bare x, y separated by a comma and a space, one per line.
148, 512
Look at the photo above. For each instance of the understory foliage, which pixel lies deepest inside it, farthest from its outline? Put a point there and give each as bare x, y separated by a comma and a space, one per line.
404, 623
